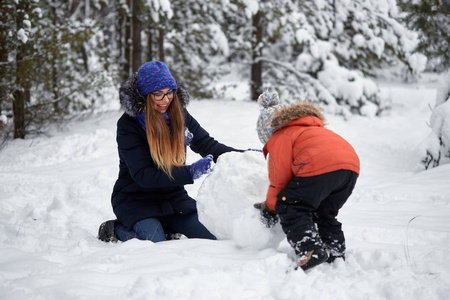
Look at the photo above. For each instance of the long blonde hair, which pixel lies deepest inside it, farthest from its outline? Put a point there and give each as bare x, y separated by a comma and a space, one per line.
166, 145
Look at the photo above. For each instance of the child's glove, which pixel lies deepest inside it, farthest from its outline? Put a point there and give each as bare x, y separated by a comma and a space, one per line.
201, 167
268, 217
187, 136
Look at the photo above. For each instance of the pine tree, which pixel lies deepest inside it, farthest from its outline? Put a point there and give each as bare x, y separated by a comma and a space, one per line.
7, 45
48, 69
17, 56
432, 19
438, 143
180, 33
246, 26
326, 51
193, 42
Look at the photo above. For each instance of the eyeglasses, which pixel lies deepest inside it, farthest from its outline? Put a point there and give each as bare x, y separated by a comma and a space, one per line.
159, 96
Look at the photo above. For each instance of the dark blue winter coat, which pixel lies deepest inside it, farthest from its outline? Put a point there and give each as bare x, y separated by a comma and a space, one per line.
142, 190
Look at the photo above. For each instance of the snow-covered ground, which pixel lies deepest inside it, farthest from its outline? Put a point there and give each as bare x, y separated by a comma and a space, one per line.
55, 191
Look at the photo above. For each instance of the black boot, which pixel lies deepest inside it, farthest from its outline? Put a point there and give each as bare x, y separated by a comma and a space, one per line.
106, 232
335, 250
312, 258
332, 257
173, 236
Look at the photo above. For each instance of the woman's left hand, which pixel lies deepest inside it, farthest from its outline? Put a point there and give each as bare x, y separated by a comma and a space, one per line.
201, 167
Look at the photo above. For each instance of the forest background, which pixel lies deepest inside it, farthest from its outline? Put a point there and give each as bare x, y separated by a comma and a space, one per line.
60, 59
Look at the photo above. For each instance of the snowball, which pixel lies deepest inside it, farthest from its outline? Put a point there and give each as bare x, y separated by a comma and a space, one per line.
226, 197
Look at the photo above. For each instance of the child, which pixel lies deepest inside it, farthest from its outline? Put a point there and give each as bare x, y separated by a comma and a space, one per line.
312, 172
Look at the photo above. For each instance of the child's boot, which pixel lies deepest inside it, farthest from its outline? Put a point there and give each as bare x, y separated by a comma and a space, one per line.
312, 258
335, 250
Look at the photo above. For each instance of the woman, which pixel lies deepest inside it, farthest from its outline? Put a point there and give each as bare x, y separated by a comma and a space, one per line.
149, 199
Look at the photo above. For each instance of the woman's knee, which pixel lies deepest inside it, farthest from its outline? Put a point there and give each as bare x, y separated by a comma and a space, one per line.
190, 226
149, 229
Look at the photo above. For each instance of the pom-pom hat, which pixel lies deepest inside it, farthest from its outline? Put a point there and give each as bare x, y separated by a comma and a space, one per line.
154, 76
268, 102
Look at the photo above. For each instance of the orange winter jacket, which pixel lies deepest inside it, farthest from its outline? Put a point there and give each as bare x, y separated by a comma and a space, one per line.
302, 147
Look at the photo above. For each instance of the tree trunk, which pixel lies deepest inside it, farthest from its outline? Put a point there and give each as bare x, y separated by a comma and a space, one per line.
256, 68
121, 41
150, 46
136, 35
5, 69
21, 82
54, 80
19, 114
126, 66
161, 44
19, 96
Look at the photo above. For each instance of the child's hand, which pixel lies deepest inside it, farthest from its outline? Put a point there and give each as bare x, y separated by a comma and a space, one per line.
268, 218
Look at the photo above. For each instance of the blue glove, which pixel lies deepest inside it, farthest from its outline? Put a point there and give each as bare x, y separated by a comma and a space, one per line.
187, 136
201, 167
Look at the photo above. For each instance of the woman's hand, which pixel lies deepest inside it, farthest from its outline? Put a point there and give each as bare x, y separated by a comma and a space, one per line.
187, 136
201, 167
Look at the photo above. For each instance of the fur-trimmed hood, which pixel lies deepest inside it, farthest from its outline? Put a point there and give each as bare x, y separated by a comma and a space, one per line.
133, 102
287, 114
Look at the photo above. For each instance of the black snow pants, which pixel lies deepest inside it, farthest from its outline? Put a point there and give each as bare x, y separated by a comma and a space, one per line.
308, 207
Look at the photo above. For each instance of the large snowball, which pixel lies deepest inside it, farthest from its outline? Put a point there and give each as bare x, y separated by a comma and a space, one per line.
226, 197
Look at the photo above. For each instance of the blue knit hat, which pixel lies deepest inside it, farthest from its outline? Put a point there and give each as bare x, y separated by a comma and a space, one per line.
268, 102
154, 76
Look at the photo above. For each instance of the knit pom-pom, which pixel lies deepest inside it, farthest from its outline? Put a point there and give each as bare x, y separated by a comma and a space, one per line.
268, 99
268, 105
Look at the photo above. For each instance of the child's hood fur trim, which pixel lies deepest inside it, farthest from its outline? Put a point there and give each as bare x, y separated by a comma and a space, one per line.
297, 110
